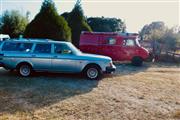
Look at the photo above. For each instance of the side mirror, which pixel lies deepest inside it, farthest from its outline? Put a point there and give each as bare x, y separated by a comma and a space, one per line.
66, 52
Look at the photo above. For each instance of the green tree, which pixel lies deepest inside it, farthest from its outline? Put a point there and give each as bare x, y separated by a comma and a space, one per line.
13, 23
102, 24
162, 38
77, 23
153, 31
171, 40
48, 24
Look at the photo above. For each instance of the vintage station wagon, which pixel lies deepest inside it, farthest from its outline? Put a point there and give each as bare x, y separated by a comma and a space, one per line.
28, 55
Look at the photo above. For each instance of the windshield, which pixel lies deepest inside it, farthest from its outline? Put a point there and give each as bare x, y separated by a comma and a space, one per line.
137, 42
74, 49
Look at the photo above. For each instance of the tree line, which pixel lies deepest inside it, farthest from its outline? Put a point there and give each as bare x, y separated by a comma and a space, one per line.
163, 40
49, 24
69, 25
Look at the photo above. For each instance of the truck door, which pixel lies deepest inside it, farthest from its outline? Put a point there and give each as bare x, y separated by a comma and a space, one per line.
128, 49
109, 46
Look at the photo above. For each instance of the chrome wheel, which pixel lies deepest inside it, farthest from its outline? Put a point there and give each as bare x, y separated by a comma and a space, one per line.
25, 70
92, 73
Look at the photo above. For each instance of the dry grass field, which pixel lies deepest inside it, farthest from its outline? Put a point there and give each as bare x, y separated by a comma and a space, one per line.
150, 92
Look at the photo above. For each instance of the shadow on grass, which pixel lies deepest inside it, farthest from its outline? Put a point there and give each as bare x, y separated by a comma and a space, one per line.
43, 89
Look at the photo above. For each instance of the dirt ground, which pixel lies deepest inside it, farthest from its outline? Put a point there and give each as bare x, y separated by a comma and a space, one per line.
150, 92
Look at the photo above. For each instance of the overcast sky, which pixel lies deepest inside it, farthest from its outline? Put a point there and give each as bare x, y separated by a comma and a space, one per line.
136, 13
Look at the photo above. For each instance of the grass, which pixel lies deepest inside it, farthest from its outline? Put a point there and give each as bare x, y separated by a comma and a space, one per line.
150, 92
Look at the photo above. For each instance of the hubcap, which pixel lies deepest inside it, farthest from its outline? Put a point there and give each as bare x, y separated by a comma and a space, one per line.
25, 70
92, 73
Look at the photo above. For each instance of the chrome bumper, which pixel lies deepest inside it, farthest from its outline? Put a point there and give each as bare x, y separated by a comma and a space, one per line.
110, 69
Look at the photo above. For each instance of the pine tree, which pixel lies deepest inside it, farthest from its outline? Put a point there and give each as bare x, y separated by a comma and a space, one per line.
77, 23
48, 24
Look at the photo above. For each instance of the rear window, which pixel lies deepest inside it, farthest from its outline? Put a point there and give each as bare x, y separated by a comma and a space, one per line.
42, 48
17, 47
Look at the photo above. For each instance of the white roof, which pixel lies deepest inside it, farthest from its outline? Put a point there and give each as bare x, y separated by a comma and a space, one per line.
4, 36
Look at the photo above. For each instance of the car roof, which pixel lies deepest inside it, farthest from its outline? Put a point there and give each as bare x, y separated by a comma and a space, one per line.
36, 40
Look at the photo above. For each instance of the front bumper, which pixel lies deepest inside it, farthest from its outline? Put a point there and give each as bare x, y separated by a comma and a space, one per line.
149, 58
110, 69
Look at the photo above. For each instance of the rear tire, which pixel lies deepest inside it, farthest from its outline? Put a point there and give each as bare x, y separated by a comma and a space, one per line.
137, 61
25, 70
93, 72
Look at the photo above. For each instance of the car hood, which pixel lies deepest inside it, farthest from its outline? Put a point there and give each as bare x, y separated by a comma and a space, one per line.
94, 57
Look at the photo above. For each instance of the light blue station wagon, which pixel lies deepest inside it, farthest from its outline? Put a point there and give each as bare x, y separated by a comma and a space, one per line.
28, 55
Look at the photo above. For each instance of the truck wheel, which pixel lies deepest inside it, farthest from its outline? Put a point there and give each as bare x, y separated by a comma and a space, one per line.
25, 70
137, 61
93, 72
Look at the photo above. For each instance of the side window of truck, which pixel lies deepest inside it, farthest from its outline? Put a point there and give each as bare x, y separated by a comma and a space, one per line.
128, 42
42, 48
111, 41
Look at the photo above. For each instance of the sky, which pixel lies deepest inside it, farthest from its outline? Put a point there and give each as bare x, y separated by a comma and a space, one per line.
135, 13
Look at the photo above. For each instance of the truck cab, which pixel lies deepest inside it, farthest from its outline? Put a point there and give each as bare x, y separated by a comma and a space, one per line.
118, 46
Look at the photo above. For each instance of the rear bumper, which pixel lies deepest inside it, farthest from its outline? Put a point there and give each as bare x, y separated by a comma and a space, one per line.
110, 69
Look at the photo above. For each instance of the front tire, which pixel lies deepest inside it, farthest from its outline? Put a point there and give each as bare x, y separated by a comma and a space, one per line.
25, 70
93, 72
137, 61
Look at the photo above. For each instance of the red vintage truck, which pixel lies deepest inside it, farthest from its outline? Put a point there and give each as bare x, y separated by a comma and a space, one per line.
118, 46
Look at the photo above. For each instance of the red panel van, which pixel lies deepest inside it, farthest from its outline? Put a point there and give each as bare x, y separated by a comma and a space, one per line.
118, 46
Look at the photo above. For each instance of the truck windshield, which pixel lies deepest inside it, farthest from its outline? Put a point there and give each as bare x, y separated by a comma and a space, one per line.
137, 42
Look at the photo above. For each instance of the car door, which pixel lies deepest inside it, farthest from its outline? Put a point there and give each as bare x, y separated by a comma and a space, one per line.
42, 57
64, 60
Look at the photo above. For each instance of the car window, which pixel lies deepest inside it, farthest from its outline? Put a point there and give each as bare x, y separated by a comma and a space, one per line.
42, 48
25, 47
129, 42
61, 48
111, 41
10, 46
17, 47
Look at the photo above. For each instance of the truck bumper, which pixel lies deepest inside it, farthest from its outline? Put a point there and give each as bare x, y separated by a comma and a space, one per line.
149, 58
110, 69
